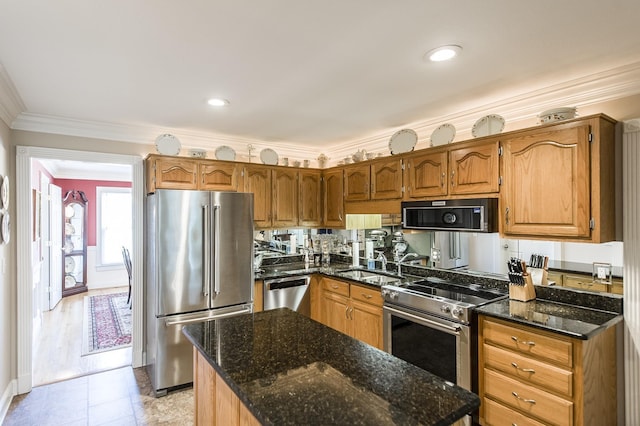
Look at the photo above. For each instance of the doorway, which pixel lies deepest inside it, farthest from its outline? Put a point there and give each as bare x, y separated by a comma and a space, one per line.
66, 342
25, 278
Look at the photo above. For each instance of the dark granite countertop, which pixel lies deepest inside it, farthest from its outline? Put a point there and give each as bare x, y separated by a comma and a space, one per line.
290, 370
569, 320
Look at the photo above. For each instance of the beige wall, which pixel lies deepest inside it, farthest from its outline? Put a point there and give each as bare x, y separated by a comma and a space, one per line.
7, 272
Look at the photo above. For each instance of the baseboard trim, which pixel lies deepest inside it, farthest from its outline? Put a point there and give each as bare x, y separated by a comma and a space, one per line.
7, 397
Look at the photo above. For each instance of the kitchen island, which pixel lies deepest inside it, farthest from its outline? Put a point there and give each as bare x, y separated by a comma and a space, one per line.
286, 369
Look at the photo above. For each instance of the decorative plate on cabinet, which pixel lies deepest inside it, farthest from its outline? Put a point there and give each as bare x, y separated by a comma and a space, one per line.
269, 156
225, 153
69, 229
443, 134
69, 265
403, 141
167, 144
69, 281
5, 228
488, 125
4, 193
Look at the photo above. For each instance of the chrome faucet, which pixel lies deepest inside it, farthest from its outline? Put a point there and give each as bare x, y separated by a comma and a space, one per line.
403, 259
382, 259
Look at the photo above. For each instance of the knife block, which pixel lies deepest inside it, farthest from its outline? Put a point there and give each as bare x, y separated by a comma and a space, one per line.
523, 292
539, 276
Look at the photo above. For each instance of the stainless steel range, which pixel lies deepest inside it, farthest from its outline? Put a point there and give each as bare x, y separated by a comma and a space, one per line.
430, 324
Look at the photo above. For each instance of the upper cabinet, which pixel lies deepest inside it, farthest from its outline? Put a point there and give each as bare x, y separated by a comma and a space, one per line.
310, 197
184, 173
559, 181
285, 197
460, 169
377, 180
257, 180
333, 197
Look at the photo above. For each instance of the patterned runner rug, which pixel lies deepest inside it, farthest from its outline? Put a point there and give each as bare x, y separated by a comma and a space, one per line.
107, 323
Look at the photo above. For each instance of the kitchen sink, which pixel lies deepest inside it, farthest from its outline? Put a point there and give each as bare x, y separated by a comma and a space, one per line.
376, 278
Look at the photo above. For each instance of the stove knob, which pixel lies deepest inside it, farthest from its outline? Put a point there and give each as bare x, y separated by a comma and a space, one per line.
457, 312
385, 292
394, 295
445, 309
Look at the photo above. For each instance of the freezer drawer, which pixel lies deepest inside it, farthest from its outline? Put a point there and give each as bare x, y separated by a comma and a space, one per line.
170, 354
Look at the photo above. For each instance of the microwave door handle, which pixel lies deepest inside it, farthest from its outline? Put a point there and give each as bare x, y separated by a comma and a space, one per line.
216, 249
206, 250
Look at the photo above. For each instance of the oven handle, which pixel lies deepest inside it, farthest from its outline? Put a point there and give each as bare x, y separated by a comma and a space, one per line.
425, 321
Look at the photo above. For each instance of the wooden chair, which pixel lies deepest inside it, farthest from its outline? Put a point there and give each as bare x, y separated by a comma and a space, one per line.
127, 264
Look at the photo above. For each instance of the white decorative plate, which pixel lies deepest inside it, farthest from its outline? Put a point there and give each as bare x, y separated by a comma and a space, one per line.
167, 144
68, 247
5, 229
403, 141
269, 156
69, 281
69, 229
557, 114
443, 134
4, 192
488, 125
69, 265
225, 153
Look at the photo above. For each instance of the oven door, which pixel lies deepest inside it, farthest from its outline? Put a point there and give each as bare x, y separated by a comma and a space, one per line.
434, 344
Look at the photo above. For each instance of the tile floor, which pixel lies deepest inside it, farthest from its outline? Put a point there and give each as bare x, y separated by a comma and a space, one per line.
117, 397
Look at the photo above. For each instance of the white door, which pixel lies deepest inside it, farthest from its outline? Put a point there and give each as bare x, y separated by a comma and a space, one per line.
55, 245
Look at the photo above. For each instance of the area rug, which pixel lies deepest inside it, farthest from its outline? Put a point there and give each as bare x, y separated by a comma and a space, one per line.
107, 323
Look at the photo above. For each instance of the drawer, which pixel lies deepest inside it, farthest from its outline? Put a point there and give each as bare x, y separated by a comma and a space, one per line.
529, 341
528, 400
334, 286
366, 294
496, 414
529, 370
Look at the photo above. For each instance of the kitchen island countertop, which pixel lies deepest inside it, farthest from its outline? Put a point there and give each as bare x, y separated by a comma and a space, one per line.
289, 369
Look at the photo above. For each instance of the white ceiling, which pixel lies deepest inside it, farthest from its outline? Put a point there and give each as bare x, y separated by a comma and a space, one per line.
305, 77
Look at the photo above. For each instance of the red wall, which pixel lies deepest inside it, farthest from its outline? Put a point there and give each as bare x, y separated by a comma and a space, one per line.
89, 189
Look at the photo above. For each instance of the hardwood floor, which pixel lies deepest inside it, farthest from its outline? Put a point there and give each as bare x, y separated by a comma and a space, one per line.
57, 351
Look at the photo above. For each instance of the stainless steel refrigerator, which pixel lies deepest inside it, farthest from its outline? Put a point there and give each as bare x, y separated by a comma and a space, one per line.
199, 266
452, 249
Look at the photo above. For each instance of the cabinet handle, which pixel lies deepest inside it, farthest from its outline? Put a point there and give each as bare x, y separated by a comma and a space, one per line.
530, 401
340, 216
442, 179
346, 312
506, 215
350, 313
453, 173
334, 286
524, 342
366, 296
524, 370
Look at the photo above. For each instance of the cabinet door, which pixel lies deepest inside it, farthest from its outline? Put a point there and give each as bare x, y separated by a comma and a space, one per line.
217, 176
386, 179
257, 180
285, 197
366, 323
356, 182
310, 197
334, 311
546, 183
426, 175
172, 173
334, 199
474, 169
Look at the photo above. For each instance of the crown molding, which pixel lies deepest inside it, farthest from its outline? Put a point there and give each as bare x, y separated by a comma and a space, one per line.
11, 104
580, 92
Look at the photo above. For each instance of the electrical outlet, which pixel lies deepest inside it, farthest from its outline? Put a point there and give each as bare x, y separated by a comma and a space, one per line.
602, 272
435, 254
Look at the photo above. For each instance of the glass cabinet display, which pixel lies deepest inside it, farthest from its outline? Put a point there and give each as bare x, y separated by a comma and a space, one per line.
75, 243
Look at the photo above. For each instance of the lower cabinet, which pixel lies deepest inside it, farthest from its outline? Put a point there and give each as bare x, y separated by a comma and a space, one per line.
529, 376
215, 402
258, 296
352, 309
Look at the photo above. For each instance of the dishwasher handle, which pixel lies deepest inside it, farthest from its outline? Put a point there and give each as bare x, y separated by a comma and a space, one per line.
289, 282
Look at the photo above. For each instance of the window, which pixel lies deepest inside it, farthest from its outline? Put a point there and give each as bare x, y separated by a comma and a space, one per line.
113, 210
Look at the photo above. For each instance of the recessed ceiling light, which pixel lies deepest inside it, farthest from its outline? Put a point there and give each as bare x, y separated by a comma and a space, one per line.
443, 53
218, 102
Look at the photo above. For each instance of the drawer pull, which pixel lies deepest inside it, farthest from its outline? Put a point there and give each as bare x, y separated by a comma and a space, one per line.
524, 370
366, 296
530, 401
530, 343
335, 286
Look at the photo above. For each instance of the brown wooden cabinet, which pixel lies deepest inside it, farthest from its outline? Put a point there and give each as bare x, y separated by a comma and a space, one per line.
352, 309
215, 402
257, 180
461, 169
310, 198
285, 197
75, 228
218, 175
532, 376
374, 180
357, 182
333, 198
164, 172
559, 181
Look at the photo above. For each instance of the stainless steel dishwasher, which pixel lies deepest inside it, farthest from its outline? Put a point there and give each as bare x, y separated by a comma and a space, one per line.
288, 292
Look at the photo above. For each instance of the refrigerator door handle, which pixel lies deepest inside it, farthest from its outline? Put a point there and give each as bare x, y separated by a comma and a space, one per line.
206, 251
216, 249
169, 323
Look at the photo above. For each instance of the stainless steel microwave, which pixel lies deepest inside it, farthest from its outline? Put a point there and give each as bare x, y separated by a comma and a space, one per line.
472, 215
